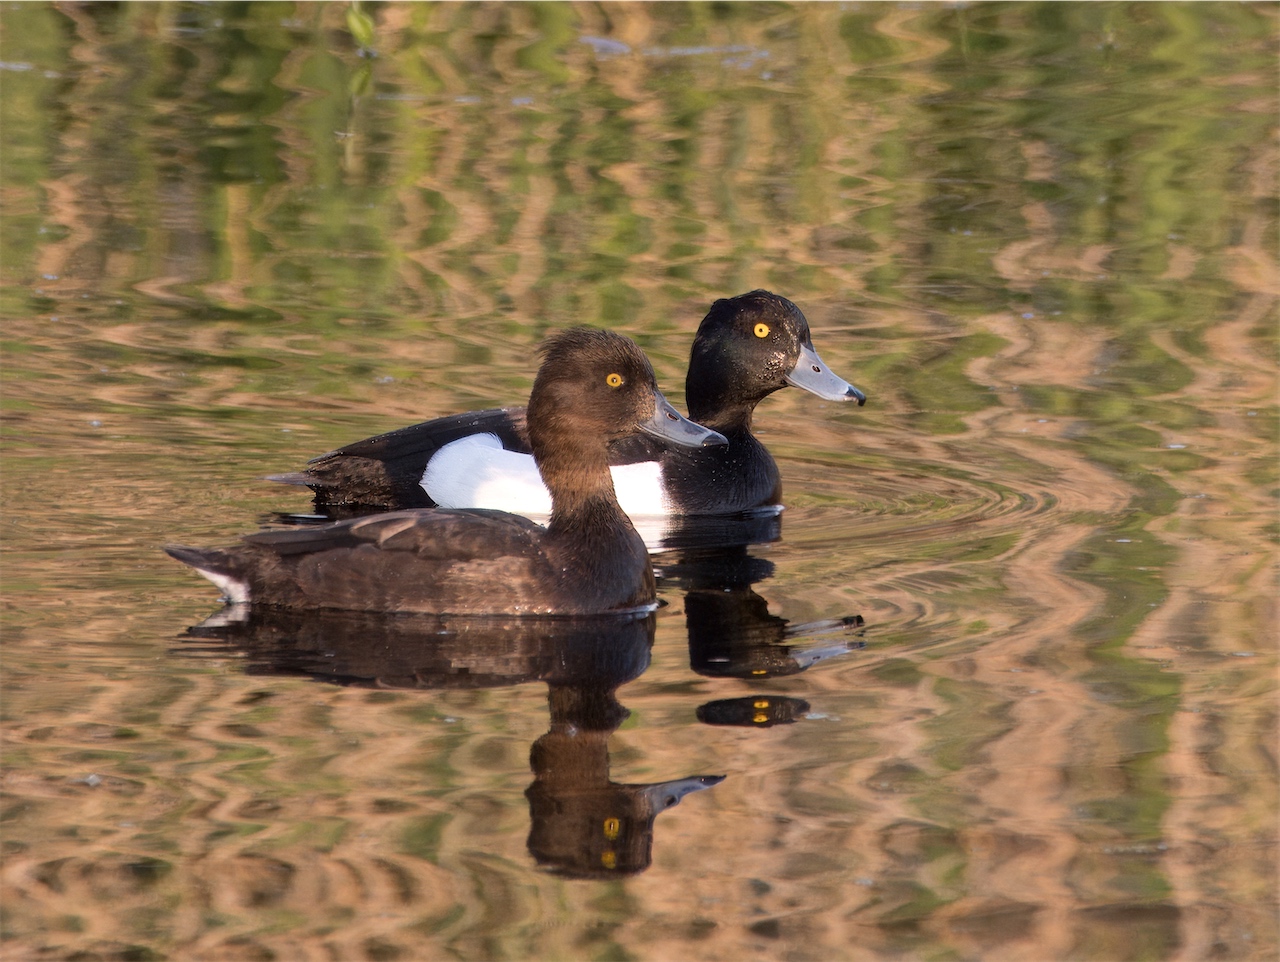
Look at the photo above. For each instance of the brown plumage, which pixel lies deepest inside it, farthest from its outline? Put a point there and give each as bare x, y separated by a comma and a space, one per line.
593, 387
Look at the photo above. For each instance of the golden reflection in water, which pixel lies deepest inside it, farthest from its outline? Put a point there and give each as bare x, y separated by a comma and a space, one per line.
1046, 750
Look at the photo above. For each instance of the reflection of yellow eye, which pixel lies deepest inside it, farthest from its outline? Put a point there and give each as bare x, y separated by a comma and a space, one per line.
762, 330
614, 380
609, 859
611, 826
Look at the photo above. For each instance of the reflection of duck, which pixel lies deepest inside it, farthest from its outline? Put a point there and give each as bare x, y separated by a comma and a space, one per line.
703, 532
583, 824
746, 348
731, 632
753, 711
593, 387
732, 635
371, 649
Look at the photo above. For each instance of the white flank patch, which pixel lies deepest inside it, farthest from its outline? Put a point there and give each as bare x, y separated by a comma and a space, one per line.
639, 488
236, 592
478, 472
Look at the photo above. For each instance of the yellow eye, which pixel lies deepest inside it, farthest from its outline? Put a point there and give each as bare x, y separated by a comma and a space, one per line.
614, 380
611, 826
762, 330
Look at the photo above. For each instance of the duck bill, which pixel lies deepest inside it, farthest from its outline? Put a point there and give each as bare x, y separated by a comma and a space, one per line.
670, 425
809, 658
816, 378
665, 795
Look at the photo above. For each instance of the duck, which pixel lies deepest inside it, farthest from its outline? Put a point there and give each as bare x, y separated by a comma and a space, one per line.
746, 348
593, 387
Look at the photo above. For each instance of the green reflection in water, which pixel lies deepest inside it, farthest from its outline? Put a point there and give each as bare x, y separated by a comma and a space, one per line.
239, 222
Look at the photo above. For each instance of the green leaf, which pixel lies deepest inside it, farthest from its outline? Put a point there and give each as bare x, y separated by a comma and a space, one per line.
361, 26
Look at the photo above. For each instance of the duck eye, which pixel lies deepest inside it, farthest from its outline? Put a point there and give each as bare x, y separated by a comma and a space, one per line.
614, 380
762, 330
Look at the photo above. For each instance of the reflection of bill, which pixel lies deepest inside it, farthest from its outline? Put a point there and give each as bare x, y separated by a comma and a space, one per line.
583, 824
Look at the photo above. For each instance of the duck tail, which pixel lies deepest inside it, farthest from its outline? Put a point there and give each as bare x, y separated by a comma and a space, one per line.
221, 567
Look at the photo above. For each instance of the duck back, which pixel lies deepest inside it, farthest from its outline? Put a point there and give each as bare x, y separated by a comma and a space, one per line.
455, 562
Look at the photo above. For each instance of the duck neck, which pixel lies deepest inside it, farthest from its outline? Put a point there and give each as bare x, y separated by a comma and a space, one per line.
581, 485
716, 402
601, 560
731, 420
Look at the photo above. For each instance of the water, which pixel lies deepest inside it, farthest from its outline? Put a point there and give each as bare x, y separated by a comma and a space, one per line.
1041, 237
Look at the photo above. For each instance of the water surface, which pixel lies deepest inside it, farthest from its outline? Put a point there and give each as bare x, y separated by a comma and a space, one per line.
1040, 236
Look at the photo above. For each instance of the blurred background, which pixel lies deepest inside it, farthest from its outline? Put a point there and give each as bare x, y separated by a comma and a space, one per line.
1040, 236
